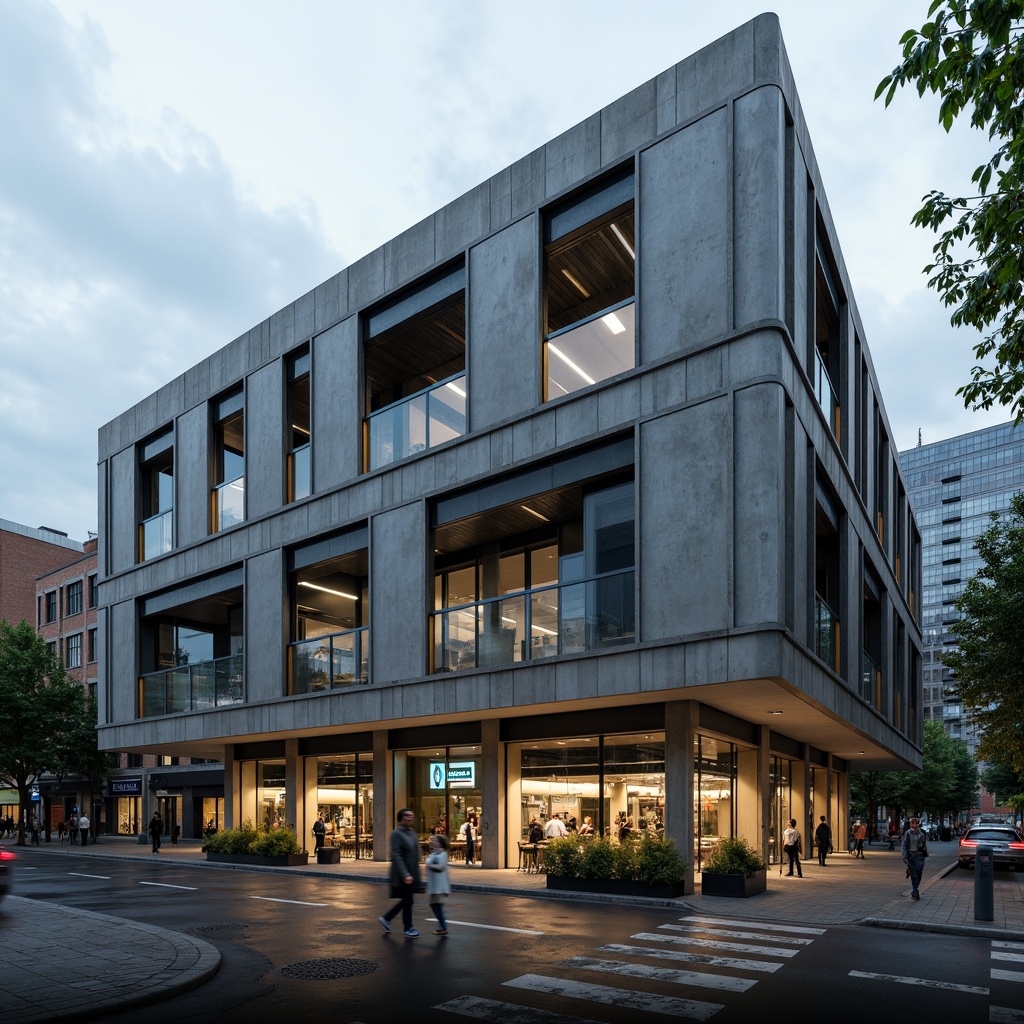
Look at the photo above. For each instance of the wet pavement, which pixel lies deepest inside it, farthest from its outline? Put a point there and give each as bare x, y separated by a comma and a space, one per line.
110, 963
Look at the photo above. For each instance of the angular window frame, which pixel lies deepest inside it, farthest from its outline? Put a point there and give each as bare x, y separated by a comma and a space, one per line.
156, 495
298, 429
227, 492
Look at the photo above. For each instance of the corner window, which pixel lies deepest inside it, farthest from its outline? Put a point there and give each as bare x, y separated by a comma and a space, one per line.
416, 370
156, 482
590, 258
299, 436
228, 494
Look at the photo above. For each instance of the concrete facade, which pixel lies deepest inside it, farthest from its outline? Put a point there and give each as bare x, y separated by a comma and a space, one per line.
733, 454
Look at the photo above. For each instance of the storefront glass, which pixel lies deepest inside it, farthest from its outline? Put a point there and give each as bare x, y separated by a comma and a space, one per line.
128, 815
345, 799
714, 786
270, 795
781, 770
443, 789
213, 814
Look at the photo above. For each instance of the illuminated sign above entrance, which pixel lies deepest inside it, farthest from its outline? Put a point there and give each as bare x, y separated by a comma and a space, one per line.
459, 775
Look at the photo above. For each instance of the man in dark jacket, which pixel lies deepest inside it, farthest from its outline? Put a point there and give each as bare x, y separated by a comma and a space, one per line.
405, 872
823, 840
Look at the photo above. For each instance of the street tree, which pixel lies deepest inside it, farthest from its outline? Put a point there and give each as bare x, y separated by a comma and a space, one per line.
987, 663
40, 706
970, 53
1005, 785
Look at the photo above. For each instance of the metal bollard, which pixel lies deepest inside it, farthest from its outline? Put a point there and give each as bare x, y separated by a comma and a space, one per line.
983, 884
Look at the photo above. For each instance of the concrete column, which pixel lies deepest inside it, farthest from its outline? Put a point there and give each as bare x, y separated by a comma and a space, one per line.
492, 795
680, 725
293, 795
232, 795
764, 788
308, 799
383, 796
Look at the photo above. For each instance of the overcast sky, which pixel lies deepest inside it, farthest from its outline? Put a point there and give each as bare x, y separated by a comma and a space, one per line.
172, 173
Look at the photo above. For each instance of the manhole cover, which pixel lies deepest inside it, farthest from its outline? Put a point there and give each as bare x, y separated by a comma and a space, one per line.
328, 967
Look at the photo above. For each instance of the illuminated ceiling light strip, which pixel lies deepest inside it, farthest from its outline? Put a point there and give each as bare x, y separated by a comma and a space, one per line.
622, 238
568, 362
457, 390
301, 430
544, 629
327, 590
535, 513
583, 291
613, 323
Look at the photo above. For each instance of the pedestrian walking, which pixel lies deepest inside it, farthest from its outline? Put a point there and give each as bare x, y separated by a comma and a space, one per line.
823, 840
405, 872
915, 849
83, 827
34, 829
438, 886
73, 829
860, 833
468, 832
791, 843
156, 829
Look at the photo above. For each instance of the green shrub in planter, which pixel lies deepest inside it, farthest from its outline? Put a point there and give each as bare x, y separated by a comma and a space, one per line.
275, 843
659, 861
563, 857
734, 856
249, 840
626, 859
598, 858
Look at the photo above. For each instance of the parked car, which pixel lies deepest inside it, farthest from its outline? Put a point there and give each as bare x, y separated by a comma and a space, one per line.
1007, 846
6, 870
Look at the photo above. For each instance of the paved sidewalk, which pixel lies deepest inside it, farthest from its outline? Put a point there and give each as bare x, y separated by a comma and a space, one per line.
112, 963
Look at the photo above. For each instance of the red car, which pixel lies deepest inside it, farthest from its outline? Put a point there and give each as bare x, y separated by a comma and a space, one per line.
6, 870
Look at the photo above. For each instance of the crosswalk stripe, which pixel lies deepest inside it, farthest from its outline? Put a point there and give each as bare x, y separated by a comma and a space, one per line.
1005, 1015
1006, 944
640, 1002
1014, 957
729, 934
501, 1013
764, 926
764, 966
719, 981
735, 947
929, 982
997, 975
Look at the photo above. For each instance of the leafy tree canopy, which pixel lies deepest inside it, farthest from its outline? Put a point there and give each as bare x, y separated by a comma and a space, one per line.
1002, 782
971, 54
987, 662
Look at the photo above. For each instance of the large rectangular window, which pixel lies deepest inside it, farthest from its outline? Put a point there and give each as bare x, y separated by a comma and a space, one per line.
73, 598
228, 494
156, 480
828, 577
590, 257
416, 370
299, 433
93, 591
73, 651
51, 606
828, 375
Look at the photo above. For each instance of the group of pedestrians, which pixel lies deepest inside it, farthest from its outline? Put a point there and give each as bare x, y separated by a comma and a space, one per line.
405, 880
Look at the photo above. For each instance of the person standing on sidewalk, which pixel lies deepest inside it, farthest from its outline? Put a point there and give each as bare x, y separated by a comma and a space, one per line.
823, 840
439, 888
83, 827
156, 829
73, 829
915, 849
319, 831
405, 872
791, 841
860, 833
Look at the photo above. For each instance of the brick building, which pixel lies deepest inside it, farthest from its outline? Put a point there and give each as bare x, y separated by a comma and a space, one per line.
25, 553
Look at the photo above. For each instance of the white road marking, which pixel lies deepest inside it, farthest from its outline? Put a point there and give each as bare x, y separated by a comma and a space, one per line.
79, 874
641, 1002
1005, 944
735, 947
765, 966
1015, 957
1005, 1015
729, 934
501, 1013
669, 974
492, 927
755, 924
997, 975
167, 885
929, 982
298, 903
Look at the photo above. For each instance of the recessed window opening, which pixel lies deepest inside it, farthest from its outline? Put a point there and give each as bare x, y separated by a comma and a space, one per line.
827, 584
416, 371
827, 377
590, 258
156, 478
299, 433
228, 496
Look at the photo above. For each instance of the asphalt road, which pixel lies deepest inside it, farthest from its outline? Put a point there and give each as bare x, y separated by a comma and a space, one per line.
309, 949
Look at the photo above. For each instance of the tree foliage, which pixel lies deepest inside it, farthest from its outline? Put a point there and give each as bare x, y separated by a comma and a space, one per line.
987, 663
971, 54
47, 720
1002, 782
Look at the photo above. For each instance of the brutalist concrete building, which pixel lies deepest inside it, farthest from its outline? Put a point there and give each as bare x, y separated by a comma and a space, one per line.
577, 497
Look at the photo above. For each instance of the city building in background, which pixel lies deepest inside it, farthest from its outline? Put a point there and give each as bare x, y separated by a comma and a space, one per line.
26, 553
577, 497
955, 485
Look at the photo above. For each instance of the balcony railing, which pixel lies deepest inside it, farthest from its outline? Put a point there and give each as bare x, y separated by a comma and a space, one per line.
870, 680
560, 619
825, 394
197, 687
228, 504
330, 661
424, 420
826, 633
155, 537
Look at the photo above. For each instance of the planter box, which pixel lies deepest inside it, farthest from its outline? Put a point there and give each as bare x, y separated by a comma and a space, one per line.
328, 855
734, 885
285, 860
617, 887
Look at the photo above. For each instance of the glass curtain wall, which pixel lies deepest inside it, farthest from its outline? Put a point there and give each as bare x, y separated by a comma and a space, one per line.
271, 809
443, 789
781, 776
714, 788
345, 798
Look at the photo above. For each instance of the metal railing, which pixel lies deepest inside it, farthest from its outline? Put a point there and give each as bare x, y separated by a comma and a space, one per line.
566, 618
229, 504
329, 661
155, 536
197, 687
825, 394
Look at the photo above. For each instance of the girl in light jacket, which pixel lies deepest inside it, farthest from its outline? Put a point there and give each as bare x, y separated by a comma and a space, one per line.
438, 886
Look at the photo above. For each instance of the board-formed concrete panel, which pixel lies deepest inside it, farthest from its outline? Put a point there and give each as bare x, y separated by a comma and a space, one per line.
336, 405
264, 440
265, 627
192, 476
